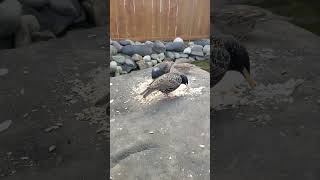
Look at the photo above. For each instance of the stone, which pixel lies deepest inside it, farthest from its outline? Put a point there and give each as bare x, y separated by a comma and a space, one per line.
28, 25
42, 36
190, 44
170, 55
10, 12
119, 69
5, 125
175, 46
191, 59
187, 50
124, 42
154, 62
176, 55
3, 71
142, 65
202, 42
200, 58
52, 148
154, 56
131, 64
197, 50
117, 45
148, 43
147, 58
138, 43
137, 57
119, 59
113, 50
161, 57
149, 64
183, 60
113, 66
148, 135
142, 50
206, 50
182, 55
159, 47
178, 39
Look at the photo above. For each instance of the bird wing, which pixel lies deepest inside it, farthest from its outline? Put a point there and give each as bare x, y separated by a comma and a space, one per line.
167, 82
220, 63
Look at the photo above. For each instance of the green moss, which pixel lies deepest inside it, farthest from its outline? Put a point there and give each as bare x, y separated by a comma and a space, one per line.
205, 65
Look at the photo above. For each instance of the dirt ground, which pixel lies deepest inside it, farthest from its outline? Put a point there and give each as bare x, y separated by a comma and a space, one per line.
46, 140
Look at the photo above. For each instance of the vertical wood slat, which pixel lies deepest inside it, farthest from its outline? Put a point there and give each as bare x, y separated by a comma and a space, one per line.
159, 19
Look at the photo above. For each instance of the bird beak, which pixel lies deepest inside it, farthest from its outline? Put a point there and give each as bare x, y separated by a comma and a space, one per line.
249, 79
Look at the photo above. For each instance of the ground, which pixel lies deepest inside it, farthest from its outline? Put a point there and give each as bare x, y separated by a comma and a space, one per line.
275, 137
157, 137
37, 94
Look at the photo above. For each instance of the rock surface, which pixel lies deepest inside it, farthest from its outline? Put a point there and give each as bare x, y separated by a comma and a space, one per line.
167, 138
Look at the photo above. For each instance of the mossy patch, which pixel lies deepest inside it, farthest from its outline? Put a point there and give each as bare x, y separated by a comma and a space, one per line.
205, 65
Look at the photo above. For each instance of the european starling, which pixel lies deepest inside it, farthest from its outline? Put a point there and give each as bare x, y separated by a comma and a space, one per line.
229, 55
166, 83
161, 69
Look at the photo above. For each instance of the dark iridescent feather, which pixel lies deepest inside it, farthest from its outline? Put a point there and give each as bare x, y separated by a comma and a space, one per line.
166, 83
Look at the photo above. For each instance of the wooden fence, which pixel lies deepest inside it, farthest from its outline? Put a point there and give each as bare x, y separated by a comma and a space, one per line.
142, 20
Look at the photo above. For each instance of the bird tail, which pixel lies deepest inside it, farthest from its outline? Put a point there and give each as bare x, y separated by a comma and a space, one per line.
146, 92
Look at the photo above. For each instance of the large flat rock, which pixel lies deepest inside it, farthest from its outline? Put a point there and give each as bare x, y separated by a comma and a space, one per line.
160, 138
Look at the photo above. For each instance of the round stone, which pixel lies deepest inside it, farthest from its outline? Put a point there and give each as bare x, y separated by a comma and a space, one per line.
178, 39
113, 66
147, 58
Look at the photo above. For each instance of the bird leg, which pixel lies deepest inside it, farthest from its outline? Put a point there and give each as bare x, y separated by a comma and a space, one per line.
170, 97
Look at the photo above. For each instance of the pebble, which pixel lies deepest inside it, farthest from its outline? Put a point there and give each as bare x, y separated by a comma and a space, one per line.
154, 62
182, 55
149, 64
5, 125
52, 148
187, 50
3, 71
142, 65
155, 56
197, 50
24, 158
206, 50
151, 132
147, 58
137, 57
201, 145
49, 129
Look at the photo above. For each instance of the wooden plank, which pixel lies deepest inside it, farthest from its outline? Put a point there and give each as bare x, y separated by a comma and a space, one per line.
159, 19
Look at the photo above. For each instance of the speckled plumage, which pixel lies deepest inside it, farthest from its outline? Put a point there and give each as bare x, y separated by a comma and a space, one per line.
161, 69
166, 83
219, 65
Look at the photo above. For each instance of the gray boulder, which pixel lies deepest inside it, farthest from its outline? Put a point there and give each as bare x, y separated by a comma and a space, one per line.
197, 50
117, 45
169, 54
119, 59
159, 47
175, 46
155, 130
142, 50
